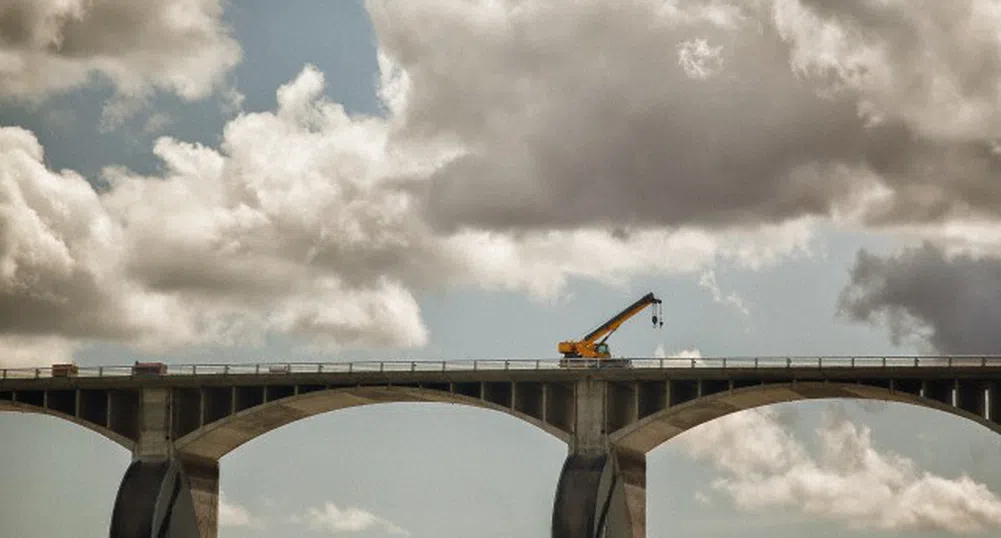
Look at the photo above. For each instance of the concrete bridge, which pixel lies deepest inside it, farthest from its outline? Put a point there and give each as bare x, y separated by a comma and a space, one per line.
180, 424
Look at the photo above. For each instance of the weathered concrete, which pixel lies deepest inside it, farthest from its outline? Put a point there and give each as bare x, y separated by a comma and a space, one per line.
155, 417
601, 492
154, 501
161, 494
16, 407
216, 439
203, 480
649, 433
589, 436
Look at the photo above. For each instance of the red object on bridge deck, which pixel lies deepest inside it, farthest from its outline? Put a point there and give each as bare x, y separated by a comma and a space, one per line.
149, 368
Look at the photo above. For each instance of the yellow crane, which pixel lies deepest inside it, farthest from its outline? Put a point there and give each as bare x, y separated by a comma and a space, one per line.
593, 345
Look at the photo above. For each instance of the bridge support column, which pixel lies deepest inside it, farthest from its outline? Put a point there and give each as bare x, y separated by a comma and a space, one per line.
163, 495
203, 478
602, 490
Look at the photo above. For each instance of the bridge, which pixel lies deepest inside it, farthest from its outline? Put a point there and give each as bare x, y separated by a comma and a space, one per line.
179, 424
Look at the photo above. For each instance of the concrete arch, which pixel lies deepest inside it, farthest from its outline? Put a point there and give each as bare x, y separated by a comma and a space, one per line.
649, 433
214, 440
17, 407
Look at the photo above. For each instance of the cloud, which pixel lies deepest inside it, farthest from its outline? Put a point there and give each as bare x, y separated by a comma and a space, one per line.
848, 479
566, 143
49, 46
334, 520
708, 281
948, 302
59, 255
305, 222
584, 116
661, 353
234, 515
18, 351
934, 65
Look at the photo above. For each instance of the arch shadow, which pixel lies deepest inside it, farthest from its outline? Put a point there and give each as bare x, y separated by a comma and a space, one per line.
17, 407
215, 440
649, 433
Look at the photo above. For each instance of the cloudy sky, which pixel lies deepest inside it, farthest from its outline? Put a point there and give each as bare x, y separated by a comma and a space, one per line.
207, 181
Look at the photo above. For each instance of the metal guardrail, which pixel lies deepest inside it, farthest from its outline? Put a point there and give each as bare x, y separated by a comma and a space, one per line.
732, 363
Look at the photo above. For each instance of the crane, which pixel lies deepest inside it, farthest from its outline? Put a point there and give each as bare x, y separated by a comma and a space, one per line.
593, 345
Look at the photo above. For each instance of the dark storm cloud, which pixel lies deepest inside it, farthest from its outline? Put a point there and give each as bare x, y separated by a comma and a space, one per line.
952, 302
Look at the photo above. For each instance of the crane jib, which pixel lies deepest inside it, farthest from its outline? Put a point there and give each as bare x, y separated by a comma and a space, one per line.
628, 312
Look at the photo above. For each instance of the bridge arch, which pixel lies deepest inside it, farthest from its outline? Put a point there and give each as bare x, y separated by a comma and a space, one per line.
216, 439
108, 433
643, 436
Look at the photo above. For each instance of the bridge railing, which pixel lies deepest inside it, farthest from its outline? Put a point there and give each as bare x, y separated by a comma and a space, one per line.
289, 368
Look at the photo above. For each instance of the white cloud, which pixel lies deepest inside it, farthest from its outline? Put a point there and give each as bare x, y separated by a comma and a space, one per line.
18, 351
708, 281
661, 353
848, 479
332, 519
234, 515
181, 46
699, 59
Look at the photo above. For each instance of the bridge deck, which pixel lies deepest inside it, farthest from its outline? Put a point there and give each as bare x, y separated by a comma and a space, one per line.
805, 368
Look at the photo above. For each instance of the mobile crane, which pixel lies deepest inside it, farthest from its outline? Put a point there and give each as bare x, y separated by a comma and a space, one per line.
593, 345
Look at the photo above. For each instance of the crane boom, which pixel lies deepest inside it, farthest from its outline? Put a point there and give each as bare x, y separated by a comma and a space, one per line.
593, 344
607, 328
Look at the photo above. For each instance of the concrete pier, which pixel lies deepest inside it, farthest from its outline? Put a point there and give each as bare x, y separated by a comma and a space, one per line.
161, 494
602, 490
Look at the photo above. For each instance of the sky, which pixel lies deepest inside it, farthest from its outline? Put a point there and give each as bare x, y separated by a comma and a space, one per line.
209, 181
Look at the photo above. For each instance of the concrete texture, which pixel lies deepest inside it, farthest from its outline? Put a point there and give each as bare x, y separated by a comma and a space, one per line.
155, 416
645, 435
214, 440
576, 503
203, 481
600, 496
154, 501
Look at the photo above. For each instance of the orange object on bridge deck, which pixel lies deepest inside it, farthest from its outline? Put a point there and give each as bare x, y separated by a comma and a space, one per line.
65, 370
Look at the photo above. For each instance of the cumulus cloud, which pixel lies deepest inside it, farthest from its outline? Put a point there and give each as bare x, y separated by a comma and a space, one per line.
848, 479
181, 46
948, 302
304, 221
59, 254
334, 520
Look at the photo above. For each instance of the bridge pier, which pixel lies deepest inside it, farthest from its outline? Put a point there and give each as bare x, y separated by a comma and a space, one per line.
602, 490
163, 494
